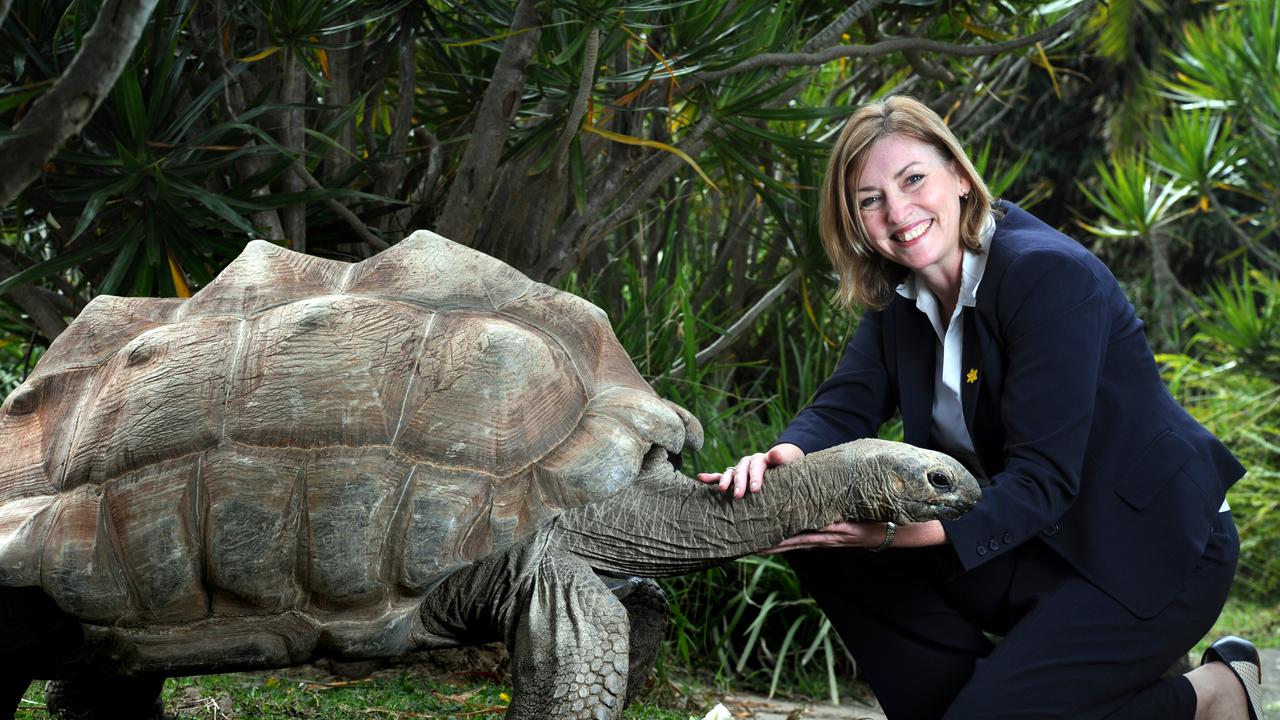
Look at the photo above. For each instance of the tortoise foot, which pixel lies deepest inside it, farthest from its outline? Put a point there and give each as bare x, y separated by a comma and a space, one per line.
96, 696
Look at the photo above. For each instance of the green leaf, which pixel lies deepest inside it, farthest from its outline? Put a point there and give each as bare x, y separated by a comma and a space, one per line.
127, 94
213, 202
79, 256
96, 201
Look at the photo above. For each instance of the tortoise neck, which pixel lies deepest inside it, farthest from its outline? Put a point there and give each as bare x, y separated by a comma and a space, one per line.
667, 523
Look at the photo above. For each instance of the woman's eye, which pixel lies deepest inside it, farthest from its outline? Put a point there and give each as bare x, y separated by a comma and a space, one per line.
914, 179
868, 202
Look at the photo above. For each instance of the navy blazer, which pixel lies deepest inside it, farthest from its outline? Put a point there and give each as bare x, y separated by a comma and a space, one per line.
1085, 448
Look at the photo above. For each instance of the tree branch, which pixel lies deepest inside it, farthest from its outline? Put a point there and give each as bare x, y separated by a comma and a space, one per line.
927, 68
885, 47
1268, 257
63, 111
392, 168
840, 25
293, 92
579, 108
37, 302
234, 91
469, 192
856, 12
351, 218
734, 331
580, 239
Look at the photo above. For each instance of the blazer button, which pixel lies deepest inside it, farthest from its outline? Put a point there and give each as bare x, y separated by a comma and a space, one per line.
1008, 538
994, 544
982, 549
1050, 531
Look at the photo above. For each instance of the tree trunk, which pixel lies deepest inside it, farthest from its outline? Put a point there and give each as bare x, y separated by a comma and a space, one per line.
293, 92
63, 111
468, 199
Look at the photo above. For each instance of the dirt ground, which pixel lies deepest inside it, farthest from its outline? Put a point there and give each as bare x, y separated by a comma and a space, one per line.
490, 662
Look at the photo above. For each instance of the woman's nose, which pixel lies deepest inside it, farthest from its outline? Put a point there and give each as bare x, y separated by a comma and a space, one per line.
894, 208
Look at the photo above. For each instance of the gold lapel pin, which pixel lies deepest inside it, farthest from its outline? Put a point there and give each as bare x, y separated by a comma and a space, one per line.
972, 377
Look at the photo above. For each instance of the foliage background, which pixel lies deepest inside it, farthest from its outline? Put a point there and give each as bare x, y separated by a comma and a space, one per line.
661, 158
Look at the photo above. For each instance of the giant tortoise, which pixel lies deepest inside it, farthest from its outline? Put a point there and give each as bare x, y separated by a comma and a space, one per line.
310, 458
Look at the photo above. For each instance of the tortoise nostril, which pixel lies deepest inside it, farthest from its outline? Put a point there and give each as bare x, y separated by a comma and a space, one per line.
940, 480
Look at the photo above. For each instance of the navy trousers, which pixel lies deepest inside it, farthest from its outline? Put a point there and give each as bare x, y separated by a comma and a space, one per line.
920, 630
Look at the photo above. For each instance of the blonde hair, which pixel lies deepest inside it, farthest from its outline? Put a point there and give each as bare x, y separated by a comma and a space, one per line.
866, 277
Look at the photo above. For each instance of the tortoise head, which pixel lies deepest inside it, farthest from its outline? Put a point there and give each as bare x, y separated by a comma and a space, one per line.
903, 483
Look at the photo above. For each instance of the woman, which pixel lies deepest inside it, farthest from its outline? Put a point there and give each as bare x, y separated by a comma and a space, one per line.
1102, 548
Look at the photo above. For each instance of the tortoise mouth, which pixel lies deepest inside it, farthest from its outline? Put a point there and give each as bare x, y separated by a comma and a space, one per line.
946, 510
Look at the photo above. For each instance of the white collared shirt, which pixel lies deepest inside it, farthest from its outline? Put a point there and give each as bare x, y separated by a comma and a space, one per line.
949, 431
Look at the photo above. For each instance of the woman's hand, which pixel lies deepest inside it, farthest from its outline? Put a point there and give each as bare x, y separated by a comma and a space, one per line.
863, 535
748, 474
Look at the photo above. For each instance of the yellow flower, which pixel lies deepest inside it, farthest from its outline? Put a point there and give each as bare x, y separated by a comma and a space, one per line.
972, 377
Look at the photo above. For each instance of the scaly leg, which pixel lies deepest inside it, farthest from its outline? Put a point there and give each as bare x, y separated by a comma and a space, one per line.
36, 640
569, 645
567, 634
646, 606
97, 695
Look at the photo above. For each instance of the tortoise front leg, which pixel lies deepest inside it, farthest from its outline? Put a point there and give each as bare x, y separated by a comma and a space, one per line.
94, 695
569, 645
647, 612
13, 685
37, 640
568, 636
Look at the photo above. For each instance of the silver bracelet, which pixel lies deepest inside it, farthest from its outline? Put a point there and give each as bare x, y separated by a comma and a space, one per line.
889, 529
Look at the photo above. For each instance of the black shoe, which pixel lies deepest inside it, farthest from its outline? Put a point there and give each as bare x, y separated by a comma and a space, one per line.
1242, 657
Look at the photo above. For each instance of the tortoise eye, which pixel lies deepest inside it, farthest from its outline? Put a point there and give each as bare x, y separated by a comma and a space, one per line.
940, 480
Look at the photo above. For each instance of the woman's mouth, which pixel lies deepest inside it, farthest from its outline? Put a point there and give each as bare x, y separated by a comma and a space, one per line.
913, 232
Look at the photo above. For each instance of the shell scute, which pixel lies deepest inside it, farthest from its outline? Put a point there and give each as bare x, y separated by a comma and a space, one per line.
598, 460
435, 272
352, 499
490, 395
324, 371
447, 515
156, 536
264, 276
583, 330
164, 405
105, 324
79, 568
253, 529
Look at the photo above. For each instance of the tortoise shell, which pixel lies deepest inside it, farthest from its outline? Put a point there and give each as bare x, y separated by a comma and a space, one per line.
313, 438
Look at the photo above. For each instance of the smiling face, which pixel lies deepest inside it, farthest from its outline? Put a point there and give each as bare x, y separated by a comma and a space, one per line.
908, 197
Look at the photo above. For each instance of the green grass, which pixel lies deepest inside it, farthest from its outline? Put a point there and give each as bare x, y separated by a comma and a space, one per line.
265, 696
411, 692
1257, 621
408, 691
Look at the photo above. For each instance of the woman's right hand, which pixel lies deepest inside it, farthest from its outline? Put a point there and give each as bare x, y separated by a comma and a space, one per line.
748, 474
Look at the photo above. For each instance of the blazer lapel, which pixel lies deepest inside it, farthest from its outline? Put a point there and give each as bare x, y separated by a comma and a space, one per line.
981, 375
916, 359
975, 345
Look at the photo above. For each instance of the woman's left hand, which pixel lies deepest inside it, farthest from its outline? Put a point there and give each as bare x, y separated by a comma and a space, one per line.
867, 534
